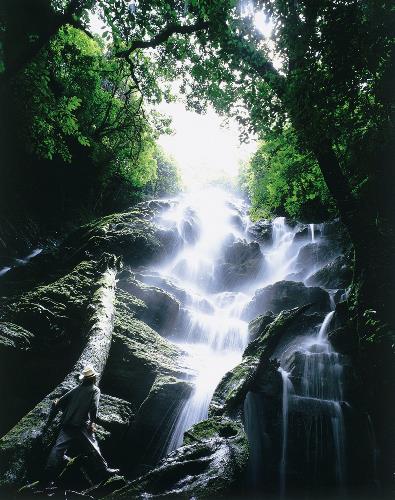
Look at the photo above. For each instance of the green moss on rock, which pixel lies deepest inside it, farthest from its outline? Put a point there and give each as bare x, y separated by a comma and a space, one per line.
14, 337
231, 391
138, 354
211, 468
51, 310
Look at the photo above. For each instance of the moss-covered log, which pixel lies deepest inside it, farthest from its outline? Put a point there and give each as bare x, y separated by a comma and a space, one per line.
23, 448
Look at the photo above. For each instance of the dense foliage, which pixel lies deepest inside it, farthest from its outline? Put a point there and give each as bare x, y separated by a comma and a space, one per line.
79, 132
281, 179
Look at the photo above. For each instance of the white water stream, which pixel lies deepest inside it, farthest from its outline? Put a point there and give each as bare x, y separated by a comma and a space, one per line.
21, 262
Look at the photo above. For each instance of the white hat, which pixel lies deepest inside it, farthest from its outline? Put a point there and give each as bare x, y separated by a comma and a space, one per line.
87, 372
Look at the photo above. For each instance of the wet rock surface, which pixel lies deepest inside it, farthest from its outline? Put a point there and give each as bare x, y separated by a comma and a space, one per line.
261, 231
286, 295
210, 465
76, 305
336, 274
242, 263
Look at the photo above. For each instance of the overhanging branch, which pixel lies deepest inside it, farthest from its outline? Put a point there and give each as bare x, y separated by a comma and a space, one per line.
163, 36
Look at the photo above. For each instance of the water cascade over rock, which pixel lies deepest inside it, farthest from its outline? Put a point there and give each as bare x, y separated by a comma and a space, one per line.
222, 371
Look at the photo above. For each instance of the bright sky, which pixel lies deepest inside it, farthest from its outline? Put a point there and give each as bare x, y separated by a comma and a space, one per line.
202, 148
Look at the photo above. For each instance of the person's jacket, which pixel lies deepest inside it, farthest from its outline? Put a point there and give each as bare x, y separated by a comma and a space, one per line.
80, 405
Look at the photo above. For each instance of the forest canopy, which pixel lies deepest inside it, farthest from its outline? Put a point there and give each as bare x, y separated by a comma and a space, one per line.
79, 128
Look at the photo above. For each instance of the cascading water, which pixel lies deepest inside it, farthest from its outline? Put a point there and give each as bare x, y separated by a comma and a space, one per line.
20, 262
214, 335
287, 392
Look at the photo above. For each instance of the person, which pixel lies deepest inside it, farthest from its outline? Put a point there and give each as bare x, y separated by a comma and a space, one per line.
80, 406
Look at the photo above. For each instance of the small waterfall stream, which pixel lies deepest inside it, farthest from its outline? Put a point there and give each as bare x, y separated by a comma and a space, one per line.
20, 262
213, 333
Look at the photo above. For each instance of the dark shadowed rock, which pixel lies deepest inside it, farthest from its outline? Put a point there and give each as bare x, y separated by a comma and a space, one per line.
261, 231
344, 340
315, 254
243, 262
113, 422
335, 274
14, 338
162, 308
211, 467
286, 295
54, 311
155, 419
105, 488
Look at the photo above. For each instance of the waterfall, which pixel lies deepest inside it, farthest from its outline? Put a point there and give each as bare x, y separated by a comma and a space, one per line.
320, 394
311, 226
213, 338
21, 262
213, 334
287, 390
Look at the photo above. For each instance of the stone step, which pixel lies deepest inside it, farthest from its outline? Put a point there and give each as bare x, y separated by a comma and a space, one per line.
314, 406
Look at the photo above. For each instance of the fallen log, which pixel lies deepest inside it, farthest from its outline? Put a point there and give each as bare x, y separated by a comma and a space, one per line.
23, 450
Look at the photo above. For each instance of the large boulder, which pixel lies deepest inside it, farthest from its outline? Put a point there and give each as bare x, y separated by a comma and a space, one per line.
162, 308
316, 254
133, 235
229, 396
211, 465
55, 311
151, 277
286, 295
113, 421
137, 356
155, 420
242, 262
335, 274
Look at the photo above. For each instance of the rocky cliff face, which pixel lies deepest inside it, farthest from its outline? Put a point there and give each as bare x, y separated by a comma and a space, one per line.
93, 299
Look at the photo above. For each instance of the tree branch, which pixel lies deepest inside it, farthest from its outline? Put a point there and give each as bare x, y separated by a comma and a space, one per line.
163, 36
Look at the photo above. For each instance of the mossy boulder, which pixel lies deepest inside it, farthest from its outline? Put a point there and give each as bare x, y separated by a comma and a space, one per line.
258, 325
162, 308
132, 235
14, 338
212, 467
51, 312
230, 394
137, 355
